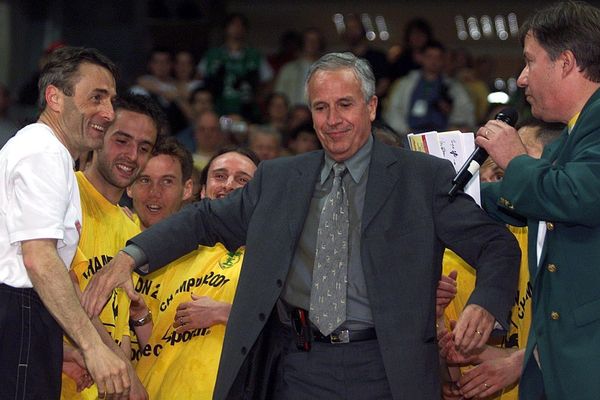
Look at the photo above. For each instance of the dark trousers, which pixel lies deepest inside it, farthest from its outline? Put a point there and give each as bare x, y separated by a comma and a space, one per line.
30, 347
331, 371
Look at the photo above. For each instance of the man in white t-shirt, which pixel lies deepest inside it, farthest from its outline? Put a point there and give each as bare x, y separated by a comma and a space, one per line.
40, 216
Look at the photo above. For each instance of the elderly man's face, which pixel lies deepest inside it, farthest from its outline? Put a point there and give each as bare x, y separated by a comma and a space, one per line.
540, 78
341, 117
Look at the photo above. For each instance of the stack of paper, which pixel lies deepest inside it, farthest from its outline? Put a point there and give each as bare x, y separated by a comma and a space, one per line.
454, 146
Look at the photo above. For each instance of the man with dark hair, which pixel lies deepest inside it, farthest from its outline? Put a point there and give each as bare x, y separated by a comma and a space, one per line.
427, 100
235, 71
40, 224
558, 195
190, 299
343, 257
128, 143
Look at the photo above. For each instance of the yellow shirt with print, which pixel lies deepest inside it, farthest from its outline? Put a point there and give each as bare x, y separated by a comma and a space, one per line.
105, 230
184, 365
520, 319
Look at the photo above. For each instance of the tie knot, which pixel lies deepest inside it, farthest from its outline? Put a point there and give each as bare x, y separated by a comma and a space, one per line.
338, 169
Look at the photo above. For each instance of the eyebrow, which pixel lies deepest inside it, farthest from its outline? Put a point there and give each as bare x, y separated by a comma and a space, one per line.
129, 136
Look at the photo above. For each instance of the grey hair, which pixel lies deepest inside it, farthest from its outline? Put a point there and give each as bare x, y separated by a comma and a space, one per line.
336, 61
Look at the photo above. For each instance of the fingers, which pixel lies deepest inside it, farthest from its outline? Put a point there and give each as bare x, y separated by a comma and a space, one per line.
473, 328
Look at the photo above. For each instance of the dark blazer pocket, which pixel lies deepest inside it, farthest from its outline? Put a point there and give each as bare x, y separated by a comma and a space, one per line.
587, 313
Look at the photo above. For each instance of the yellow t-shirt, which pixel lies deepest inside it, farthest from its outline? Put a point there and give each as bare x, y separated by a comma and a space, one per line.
104, 231
184, 366
520, 318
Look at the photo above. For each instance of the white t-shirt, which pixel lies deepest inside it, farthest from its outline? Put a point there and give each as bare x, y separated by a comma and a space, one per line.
39, 199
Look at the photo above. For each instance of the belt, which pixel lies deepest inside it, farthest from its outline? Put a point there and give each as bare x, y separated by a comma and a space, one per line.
345, 336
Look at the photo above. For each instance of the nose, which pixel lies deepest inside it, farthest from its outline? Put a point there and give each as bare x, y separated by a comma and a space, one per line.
231, 184
155, 190
333, 116
522, 80
108, 111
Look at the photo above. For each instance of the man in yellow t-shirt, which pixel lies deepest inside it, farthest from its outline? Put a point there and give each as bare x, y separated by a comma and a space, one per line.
127, 146
500, 366
191, 298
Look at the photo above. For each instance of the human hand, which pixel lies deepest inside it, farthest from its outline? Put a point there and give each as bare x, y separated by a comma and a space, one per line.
108, 371
201, 312
473, 329
501, 141
491, 376
137, 391
448, 350
117, 273
450, 391
74, 367
445, 293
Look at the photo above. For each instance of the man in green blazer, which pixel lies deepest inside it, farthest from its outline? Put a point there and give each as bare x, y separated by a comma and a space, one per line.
559, 196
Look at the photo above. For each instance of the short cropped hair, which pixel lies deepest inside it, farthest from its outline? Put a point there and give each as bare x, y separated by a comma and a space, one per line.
61, 69
573, 25
172, 147
547, 132
336, 61
142, 105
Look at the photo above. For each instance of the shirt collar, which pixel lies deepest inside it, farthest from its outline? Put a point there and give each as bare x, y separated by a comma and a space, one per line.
356, 165
572, 122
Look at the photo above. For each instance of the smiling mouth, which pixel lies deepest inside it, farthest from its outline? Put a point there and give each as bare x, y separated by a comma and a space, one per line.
125, 169
98, 127
154, 208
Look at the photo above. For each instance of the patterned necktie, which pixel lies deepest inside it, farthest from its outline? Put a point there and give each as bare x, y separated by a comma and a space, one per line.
330, 272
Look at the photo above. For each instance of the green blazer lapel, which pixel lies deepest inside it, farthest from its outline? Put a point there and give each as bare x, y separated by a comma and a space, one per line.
299, 189
383, 178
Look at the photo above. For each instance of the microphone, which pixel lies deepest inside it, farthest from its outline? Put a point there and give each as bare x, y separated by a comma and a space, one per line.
508, 115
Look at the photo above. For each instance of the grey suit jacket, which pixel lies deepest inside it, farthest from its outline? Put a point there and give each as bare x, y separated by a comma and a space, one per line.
406, 224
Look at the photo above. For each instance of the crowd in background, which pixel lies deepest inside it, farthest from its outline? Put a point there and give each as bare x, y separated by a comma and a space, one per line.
235, 94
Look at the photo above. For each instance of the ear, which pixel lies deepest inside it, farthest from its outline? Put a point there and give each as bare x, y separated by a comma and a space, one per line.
372, 106
187, 189
203, 192
567, 62
54, 98
129, 190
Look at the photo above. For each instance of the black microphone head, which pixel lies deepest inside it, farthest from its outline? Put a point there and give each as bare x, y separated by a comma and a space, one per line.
508, 115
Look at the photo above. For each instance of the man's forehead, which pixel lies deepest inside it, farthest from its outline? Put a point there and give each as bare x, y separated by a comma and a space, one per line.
96, 77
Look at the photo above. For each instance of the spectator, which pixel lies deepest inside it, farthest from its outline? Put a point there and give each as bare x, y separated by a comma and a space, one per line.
406, 58
208, 138
201, 100
303, 139
427, 100
290, 80
234, 72
266, 143
355, 37
162, 87
277, 113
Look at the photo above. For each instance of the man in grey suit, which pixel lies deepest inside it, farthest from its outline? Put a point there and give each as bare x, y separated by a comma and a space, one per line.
399, 220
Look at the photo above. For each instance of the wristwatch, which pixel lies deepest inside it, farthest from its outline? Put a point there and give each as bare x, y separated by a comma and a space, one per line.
142, 321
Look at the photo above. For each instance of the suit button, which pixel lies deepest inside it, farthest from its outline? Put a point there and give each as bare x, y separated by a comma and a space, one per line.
279, 283
551, 268
550, 226
554, 315
261, 317
244, 350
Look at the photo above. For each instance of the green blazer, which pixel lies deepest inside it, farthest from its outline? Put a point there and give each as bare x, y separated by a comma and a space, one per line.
563, 189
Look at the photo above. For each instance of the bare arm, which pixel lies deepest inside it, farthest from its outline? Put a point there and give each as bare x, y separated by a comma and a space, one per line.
52, 283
